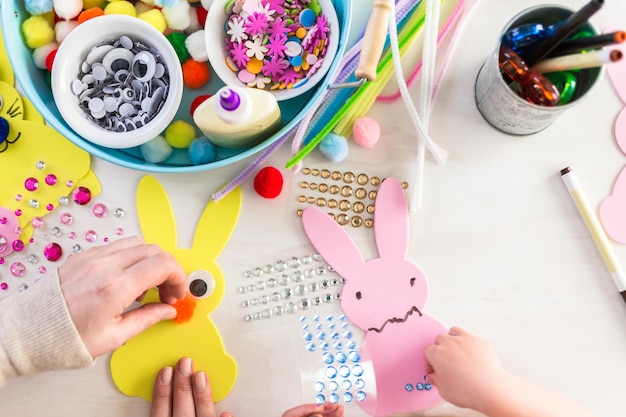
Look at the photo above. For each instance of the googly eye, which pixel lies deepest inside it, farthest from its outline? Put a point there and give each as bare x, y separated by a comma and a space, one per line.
1, 103
117, 59
144, 66
201, 284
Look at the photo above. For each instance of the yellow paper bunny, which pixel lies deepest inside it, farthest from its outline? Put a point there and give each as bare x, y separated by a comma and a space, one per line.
33, 151
134, 365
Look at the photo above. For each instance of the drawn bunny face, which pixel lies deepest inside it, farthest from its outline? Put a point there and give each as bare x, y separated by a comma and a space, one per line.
135, 364
388, 289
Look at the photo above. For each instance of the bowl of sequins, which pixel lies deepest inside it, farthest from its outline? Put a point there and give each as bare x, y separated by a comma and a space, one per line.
285, 47
117, 81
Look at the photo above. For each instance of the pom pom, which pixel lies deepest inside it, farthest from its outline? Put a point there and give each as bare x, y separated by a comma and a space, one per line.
67, 9
156, 150
268, 182
155, 18
202, 13
165, 3
196, 46
177, 16
194, 24
88, 4
89, 13
38, 6
185, 308
195, 74
40, 54
179, 134
177, 39
121, 7
334, 147
196, 102
202, 151
366, 132
63, 28
50, 59
37, 31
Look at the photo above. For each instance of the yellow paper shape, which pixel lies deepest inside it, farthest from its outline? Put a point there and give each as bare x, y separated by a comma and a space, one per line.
135, 365
28, 142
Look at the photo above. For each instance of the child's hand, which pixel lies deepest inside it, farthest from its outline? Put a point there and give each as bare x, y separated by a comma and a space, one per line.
463, 367
312, 410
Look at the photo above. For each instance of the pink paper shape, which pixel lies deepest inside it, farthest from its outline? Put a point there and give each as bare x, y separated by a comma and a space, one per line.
385, 297
612, 210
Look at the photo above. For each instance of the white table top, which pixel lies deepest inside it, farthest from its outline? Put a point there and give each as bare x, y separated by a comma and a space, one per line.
502, 245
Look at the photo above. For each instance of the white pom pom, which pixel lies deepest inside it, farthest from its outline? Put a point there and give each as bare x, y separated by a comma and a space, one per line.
196, 46
177, 16
206, 3
68, 9
63, 28
194, 24
40, 54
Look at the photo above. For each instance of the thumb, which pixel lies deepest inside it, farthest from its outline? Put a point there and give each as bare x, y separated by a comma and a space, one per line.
432, 379
137, 320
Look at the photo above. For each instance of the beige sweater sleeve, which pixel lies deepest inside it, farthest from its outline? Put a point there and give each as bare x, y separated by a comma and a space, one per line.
37, 333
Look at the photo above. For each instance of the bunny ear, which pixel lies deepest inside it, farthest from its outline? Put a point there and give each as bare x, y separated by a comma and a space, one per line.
156, 216
217, 224
391, 220
331, 241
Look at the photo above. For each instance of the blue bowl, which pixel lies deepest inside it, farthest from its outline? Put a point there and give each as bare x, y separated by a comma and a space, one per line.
35, 85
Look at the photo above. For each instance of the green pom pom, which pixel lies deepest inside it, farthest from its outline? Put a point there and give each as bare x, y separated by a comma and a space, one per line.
177, 39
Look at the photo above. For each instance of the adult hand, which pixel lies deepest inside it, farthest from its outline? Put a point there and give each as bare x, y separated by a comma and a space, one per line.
181, 392
464, 368
99, 284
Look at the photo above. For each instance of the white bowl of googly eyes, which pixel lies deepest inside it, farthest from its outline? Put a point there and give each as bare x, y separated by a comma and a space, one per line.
285, 47
117, 81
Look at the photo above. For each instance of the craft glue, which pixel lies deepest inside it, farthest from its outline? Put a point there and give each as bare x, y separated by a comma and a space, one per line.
238, 117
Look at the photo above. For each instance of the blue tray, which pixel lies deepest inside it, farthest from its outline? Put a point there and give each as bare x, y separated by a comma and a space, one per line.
33, 83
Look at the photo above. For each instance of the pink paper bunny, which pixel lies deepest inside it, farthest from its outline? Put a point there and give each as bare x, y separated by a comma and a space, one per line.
385, 297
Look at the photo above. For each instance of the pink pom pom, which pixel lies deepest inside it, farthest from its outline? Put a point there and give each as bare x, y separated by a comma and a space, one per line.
366, 132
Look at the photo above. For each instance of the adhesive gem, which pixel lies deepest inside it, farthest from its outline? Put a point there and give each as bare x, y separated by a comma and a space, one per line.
33, 259
319, 386
63, 200
333, 386
17, 269
40, 165
4, 286
31, 184
82, 196
3, 243
91, 236
119, 231
347, 397
42, 269
33, 203
69, 183
118, 213
49, 207
51, 179
71, 235
346, 384
22, 287
18, 212
67, 218
330, 372
4, 220
56, 231
360, 396
18, 245
320, 399
100, 210
18, 197
53, 252
334, 398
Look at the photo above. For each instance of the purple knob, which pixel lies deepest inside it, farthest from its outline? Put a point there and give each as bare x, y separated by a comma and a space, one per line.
229, 99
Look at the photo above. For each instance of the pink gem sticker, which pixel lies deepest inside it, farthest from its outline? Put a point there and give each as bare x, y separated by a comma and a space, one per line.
91, 236
53, 252
31, 184
82, 196
100, 210
51, 179
17, 269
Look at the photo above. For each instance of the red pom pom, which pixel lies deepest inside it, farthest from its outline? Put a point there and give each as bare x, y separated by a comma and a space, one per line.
268, 183
196, 102
202, 13
50, 59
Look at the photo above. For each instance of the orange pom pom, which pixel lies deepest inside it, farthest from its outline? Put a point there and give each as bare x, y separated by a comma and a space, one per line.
185, 308
89, 14
195, 74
